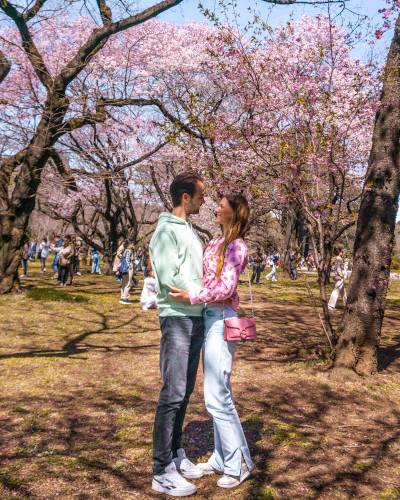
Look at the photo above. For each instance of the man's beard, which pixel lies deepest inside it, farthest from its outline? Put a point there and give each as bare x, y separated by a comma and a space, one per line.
192, 210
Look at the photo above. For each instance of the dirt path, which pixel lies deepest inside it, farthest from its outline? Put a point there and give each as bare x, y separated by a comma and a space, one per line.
80, 383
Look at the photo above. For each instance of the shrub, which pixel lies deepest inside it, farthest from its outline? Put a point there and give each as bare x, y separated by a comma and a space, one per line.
50, 294
394, 265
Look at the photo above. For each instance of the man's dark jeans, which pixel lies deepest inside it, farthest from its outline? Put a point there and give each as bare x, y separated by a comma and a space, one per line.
181, 343
256, 273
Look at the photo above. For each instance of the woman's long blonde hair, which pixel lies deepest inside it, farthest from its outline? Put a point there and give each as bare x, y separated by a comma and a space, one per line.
238, 226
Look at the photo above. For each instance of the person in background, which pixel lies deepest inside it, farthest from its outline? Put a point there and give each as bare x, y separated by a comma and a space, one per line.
149, 292
257, 258
117, 260
44, 252
64, 259
146, 258
339, 279
292, 265
25, 257
58, 243
139, 259
96, 262
78, 245
32, 251
72, 258
274, 259
129, 257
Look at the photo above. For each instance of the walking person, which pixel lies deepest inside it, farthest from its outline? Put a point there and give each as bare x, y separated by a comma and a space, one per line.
129, 257
78, 245
96, 261
25, 257
71, 265
139, 259
146, 258
339, 279
64, 259
177, 261
274, 257
32, 251
118, 258
149, 292
292, 265
54, 264
257, 258
44, 250
224, 260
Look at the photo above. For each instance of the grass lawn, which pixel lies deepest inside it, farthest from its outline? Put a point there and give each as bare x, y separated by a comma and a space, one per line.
79, 386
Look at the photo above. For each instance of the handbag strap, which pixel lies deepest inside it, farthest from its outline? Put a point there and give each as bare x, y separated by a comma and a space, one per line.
251, 297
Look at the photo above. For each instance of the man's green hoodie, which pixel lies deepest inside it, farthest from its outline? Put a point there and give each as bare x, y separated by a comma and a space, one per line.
176, 256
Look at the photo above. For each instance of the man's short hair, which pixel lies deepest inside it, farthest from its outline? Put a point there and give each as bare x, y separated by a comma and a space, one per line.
67, 237
186, 182
258, 248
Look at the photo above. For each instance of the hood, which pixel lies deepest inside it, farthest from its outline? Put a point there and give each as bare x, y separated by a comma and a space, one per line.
170, 219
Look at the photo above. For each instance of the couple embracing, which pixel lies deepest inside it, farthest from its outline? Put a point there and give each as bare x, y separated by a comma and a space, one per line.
195, 293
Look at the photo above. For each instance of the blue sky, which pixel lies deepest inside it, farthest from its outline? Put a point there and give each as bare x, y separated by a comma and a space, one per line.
275, 14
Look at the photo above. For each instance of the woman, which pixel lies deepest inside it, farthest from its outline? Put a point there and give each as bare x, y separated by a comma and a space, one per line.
224, 260
44, 252
129, 257
118, 258
64, 260
25, 258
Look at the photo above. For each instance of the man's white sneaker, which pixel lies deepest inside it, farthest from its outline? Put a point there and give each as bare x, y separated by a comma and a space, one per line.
208, 469
23, 276
332, 308
144, 308
172, 483
233, 481
186, 467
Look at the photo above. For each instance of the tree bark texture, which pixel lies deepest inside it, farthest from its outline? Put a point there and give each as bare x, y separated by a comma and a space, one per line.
360, 330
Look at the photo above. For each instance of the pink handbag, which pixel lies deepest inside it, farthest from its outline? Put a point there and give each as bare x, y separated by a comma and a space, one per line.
241, 328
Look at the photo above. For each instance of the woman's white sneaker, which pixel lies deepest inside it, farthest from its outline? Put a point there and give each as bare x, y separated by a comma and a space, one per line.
208, 469
186, 467
172, 483
233, 481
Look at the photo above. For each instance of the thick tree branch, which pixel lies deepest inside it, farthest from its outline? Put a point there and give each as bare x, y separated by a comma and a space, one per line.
69, 180
33, 10
28, 44
5, 67
99, 37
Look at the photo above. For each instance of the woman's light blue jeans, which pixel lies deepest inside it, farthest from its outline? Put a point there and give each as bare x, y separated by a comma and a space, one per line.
96, 264
229, 440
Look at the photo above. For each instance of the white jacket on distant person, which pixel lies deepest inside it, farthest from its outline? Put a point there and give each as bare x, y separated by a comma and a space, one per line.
149, 292
44, 249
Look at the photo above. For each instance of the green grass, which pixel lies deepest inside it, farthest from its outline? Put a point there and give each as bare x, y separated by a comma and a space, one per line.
54, 295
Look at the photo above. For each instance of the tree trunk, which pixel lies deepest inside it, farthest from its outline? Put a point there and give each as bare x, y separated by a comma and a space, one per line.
360, 329
108, 263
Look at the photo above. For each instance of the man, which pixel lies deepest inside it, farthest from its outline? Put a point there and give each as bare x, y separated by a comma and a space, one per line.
32, 251
257, 258
57, 243
176, 256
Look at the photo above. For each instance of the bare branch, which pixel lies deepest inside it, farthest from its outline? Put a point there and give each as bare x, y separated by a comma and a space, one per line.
65, 175
33, 10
